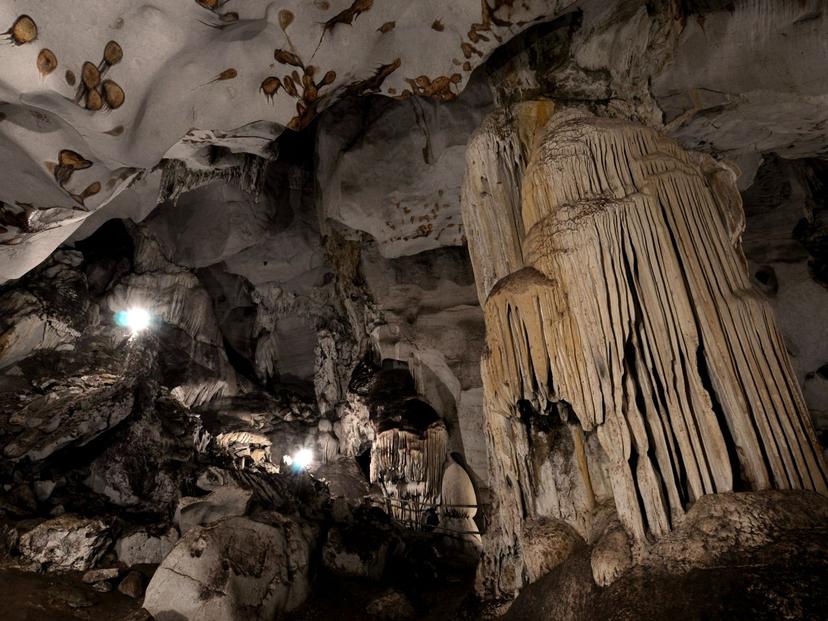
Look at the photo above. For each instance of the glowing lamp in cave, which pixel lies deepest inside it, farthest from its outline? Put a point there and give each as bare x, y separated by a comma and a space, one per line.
300, 460
135, 319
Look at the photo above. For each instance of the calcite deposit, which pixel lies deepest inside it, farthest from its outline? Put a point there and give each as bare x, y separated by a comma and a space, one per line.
629, 309
368, 309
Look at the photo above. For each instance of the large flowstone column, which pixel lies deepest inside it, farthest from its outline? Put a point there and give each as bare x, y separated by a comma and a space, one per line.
615, 292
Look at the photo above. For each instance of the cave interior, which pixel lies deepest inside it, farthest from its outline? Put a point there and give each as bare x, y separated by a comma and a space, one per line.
402, 310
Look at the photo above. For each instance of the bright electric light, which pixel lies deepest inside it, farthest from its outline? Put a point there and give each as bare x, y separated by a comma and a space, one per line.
136, 319
301, 459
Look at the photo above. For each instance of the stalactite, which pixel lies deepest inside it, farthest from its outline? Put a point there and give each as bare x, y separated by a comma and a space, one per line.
409, 466
245, 170
628, 298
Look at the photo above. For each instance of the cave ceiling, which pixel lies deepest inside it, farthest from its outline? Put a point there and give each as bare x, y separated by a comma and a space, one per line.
95, 97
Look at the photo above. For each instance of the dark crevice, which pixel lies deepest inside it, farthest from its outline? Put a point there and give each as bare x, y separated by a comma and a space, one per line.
703, 460
534, 421
363, 460
522, 391
239, 362
530, 363
739, 480
633, 461
630, 367
679, 470
547, 44
723, 423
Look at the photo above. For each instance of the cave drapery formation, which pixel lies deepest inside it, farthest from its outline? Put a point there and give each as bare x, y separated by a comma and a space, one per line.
411, 309
623, 293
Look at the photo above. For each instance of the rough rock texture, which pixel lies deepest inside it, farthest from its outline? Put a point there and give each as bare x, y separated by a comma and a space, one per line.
47, 316
142, 548
754, 104
346, 555
235, 569
100, 575
393, 606
394, 170
549, 542
718, 524
223, 502
611, 555
68, 542
737, 78
133, 585
163, 435
765, 562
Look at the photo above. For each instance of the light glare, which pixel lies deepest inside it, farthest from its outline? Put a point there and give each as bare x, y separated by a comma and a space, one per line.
300, 460
135, 319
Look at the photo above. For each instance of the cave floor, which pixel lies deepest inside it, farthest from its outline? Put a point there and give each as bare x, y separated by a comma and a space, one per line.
27, 596
346, 599
783, 580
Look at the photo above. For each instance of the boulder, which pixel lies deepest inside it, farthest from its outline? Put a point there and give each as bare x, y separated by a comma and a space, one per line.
100, 575
133, 584
612, 554
719, 525
68, 542
748, 555
547, 543
392, 606
234, 569
141, 548
44, 489
223, 502
102, 587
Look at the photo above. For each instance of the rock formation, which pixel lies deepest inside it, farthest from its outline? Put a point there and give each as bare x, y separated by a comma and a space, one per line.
623, 303
237, 564
395, 310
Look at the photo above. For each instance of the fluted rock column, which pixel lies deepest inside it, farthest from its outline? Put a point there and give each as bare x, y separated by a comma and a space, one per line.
610, 270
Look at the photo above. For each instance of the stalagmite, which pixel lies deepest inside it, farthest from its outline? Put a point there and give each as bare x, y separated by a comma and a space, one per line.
621, 291
458, 504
